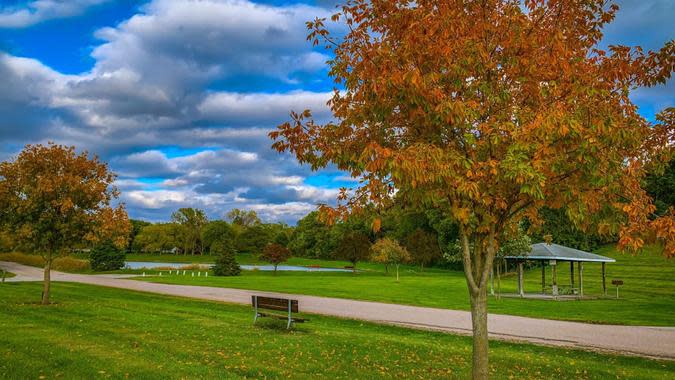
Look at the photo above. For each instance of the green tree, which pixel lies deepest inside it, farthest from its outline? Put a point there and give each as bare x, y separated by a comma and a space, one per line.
388, 251
136, 227
217, 231
192, 222
354, 247
226, 263
253, 239
661, 187
423, 247
312, 238
106, 256
161, 237
275, 254
52, 199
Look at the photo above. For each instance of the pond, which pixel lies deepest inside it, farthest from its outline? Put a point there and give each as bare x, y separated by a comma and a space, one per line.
152, 265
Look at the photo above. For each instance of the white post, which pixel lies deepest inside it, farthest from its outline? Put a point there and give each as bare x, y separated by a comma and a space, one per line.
160, 274
206, 274
183, 273
199, 274
193, 274
521, 291
143, 274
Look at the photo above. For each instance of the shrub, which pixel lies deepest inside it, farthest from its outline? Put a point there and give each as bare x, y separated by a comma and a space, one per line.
226, 264
67, 264
22, 258
70, 264
106, 256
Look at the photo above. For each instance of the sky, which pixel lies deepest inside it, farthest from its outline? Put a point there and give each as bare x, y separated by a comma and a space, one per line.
178, 96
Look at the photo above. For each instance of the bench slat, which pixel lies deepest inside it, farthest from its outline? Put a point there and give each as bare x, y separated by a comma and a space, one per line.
270, 303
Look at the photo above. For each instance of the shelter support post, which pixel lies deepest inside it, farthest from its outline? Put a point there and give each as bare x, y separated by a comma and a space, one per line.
572, 274
521, 291
543, 278
581, 279
604, 277
554, 285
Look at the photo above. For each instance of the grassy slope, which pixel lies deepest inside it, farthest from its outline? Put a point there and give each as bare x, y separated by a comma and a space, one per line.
647, 298
97, 332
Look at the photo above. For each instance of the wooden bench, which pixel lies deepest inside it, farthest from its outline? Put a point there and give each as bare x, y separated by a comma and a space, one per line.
280, 304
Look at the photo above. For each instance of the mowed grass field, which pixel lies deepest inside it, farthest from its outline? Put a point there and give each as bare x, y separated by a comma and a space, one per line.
94, 332
646, 298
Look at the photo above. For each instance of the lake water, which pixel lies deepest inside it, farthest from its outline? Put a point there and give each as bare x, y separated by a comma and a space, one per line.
151, 265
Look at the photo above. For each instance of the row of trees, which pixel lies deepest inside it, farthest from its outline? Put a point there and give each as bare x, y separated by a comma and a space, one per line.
190, 232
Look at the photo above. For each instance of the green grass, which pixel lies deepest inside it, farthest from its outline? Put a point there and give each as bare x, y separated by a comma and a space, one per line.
247, 258
647, 298
94, 332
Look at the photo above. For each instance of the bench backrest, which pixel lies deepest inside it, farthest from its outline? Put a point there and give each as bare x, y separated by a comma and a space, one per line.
274, 303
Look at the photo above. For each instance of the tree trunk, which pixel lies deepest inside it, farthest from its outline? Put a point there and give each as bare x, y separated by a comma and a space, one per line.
477, 264
480, 333
47, 279
275, 269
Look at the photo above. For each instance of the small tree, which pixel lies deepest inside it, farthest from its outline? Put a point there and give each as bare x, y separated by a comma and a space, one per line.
389, 252
52, 199
106, 256
226, 263
354, 247
276, 254
423, 246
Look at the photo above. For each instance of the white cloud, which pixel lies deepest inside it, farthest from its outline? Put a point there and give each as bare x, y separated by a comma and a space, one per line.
257, 108
41, 10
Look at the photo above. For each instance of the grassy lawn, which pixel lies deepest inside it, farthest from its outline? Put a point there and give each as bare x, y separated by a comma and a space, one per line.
247, 258
647, 298
94, 332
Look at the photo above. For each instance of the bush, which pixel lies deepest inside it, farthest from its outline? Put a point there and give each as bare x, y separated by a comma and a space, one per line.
22, 258
106, 256
70, 264
226, 264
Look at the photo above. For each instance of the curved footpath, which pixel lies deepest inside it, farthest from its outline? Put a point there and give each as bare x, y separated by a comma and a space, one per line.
654, 342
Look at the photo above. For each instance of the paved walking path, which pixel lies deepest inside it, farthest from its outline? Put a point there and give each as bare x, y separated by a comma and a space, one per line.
658, 342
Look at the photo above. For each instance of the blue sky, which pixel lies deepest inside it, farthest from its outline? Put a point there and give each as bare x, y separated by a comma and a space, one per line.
179, 95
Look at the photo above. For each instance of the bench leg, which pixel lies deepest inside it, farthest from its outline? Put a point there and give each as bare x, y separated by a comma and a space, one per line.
290, 320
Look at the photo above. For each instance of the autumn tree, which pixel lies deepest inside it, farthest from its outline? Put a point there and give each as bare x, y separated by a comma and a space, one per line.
275, 254
489, 111
423, 247
388, 251
353, 247
192, 222
53, 199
